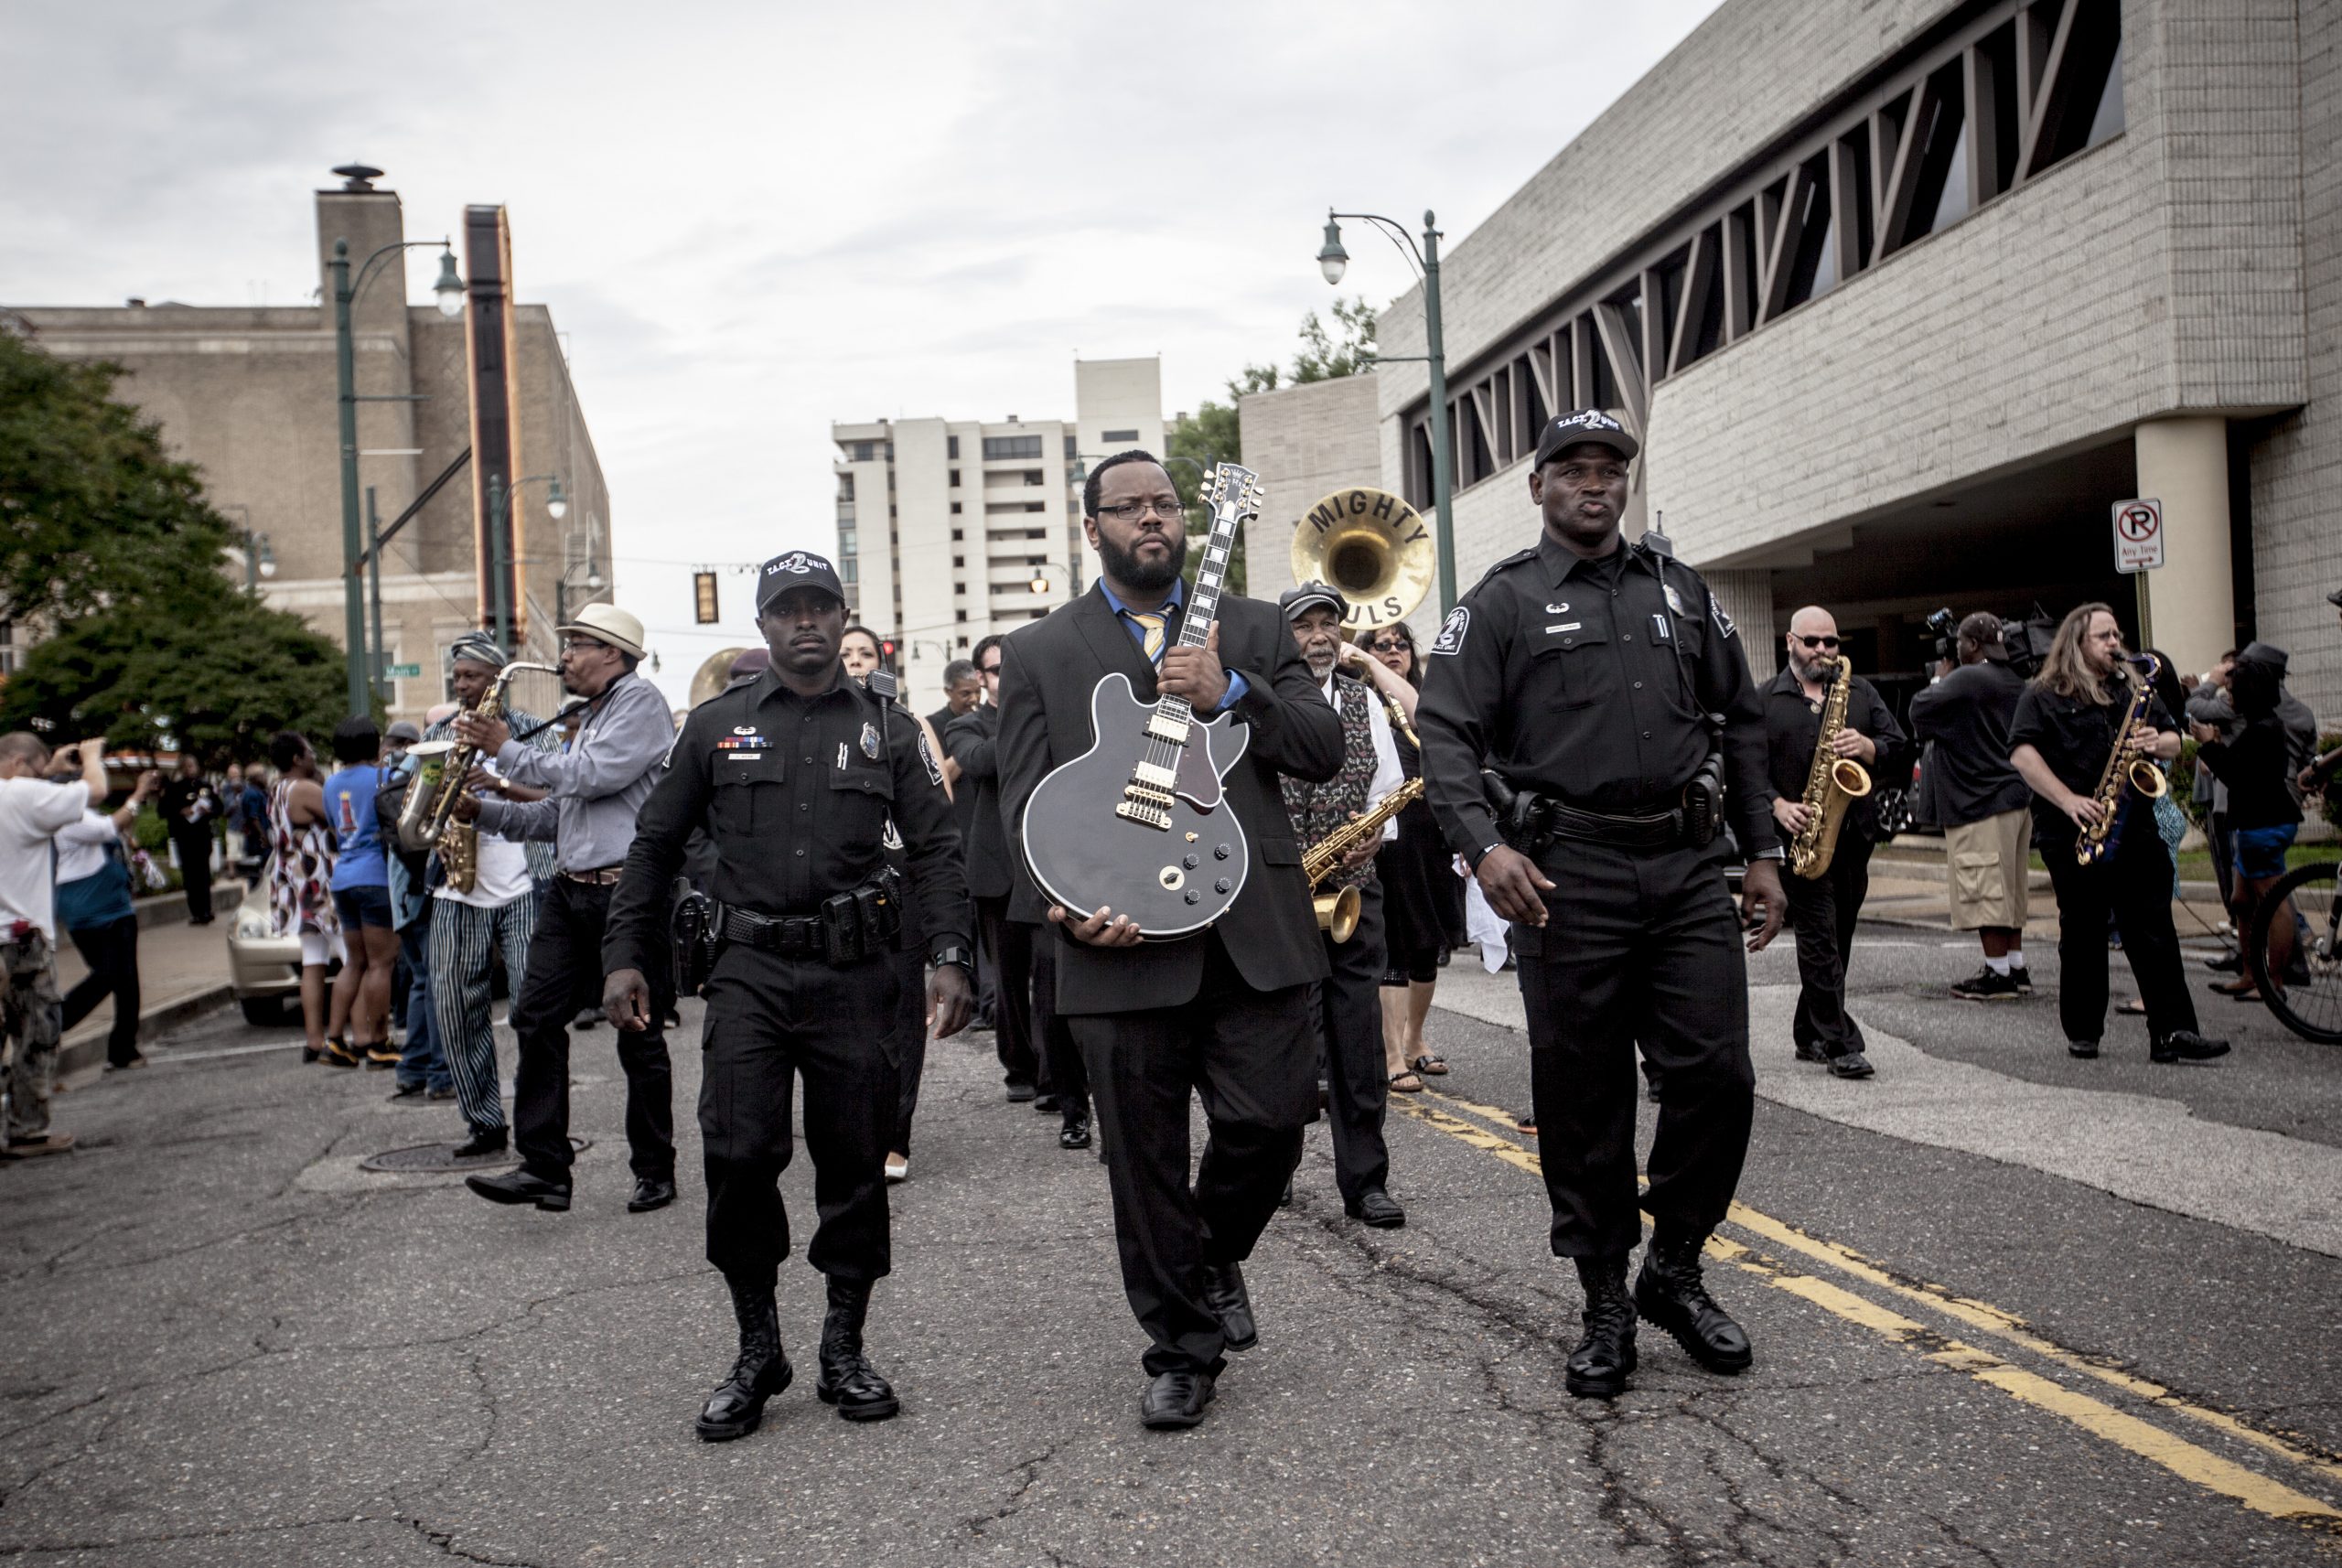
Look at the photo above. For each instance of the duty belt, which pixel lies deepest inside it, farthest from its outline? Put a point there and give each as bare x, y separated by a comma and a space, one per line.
791, 935
1530, 822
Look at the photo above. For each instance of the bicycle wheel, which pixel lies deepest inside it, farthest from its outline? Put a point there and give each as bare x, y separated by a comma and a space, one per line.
2310, 1003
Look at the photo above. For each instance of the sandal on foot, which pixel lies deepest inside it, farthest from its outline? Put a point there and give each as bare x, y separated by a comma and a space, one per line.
1436, 1066
1406, 1082
2133, 1008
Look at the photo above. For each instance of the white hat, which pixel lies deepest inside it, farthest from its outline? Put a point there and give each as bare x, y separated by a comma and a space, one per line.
608, 623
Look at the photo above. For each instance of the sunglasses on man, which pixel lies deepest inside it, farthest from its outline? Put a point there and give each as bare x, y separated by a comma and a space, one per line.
1812, 642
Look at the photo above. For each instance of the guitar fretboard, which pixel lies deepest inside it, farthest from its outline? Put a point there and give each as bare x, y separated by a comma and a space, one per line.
1234, 502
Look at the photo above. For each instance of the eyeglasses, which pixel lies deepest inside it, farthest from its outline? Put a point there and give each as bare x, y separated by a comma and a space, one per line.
1816, 641
582, 645
992, 669
1390, 645
1135, 511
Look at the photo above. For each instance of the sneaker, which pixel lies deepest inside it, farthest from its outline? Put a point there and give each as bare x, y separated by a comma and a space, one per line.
38, 1143
1986, 985
2185, 1044
439, 1094
125, 1067
2024, 979
898, 1168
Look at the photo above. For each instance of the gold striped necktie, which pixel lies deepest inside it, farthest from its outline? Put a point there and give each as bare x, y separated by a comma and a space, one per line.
1151, 625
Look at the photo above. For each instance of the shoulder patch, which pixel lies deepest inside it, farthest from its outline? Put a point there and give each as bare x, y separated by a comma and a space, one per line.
1453, 630
927, 757
1723, 621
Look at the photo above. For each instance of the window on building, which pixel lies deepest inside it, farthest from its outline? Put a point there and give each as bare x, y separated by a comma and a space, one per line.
1118, 438
998, 446
955, 511
846, 538
955, 478
955, 533
845, 488
850, 571
1036, 506
960, 614
951, 446
963, 561
1073, 447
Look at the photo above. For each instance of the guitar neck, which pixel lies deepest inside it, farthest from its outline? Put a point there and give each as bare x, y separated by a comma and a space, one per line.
1203, 605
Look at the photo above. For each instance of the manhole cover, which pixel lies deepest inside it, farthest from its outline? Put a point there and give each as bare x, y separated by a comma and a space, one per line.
441, 1158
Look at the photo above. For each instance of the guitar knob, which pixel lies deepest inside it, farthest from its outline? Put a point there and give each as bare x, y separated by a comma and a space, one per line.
1223, 885
1194, 897
1189, 860
1219, 853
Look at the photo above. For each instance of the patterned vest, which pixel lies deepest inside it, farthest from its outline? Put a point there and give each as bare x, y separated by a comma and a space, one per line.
1317, 810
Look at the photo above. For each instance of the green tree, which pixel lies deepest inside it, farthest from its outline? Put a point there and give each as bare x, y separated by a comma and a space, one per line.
1323, 355
92, 509
219, 672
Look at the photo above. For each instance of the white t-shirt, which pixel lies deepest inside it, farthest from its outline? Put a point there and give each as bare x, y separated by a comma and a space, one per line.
503, 870
81, 846
31, 811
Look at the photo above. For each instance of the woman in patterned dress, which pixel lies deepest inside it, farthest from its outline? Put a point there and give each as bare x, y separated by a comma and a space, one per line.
300, 878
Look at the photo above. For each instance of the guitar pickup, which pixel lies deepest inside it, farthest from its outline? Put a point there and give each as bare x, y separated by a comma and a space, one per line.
1162, 726
1153, 778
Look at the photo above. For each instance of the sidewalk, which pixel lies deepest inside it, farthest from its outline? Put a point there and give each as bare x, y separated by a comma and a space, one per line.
182, 973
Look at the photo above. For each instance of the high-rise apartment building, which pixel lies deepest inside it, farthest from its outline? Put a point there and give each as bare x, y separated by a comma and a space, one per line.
950, 530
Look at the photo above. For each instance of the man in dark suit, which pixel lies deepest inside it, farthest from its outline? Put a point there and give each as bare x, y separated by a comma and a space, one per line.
1223, 1013
972, 741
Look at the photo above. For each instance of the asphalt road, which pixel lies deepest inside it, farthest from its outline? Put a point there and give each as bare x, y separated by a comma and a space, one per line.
2009, 1309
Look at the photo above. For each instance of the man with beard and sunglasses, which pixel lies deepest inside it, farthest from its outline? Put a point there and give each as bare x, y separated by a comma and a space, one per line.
1224, 1012
1822, 909
1581, 673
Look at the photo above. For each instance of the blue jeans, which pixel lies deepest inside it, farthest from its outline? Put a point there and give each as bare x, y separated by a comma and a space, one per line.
424, 1064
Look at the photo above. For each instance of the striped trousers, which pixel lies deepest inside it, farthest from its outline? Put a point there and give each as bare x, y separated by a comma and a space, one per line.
465, 939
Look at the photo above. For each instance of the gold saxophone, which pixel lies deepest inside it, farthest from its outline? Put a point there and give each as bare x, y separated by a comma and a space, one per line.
1831, 784
459, 841
2125, 769
1338, 910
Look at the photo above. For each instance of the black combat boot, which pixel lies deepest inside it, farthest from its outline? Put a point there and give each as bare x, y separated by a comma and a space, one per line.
1598, 1366
739, 1404
1670, 1296
848, 1381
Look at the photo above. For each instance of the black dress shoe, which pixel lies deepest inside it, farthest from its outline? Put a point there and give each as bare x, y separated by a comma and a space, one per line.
1047, 1102
1020, 1092
1599, 1366
406, 1094
491, 1142
2185, 1044
738, 1405
2086, 1050
1853, 1064
1225, 1295
1669, 1294
848, 1381
1808, 1053
1284, 1201
1075, 1134
650, 1193
1374, 1207
1173, 1401
436, 1095
521, 1187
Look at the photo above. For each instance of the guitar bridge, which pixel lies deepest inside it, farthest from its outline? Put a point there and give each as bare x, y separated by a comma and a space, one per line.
1146, 803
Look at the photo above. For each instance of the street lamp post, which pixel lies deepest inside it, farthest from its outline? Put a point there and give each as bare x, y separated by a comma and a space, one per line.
450, 290
500, 530
1332, 261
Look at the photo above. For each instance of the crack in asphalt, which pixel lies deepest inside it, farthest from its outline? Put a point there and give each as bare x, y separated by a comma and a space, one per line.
1027, 1474
445, 1542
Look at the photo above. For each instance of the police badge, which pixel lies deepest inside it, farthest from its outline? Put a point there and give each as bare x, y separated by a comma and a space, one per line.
1674, 599
870, 741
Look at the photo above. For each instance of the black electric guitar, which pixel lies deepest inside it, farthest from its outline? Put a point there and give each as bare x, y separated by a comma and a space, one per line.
1139, 823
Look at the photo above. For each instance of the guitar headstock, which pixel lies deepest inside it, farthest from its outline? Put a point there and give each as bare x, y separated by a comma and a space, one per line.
1233, 493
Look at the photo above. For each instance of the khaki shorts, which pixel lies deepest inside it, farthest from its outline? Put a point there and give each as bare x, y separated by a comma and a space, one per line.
1987, 866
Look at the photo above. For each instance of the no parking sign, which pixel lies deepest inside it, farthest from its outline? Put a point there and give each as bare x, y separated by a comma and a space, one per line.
2138, 535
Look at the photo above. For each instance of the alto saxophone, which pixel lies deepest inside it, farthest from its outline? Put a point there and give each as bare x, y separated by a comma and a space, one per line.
459, 841
1338, 911
1831, 783
2126, 772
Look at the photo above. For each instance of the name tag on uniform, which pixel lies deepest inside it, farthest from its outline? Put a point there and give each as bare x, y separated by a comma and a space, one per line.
1661, 629
1566, 626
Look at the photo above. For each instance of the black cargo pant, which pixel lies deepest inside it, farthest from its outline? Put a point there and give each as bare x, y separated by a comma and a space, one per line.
1251, 1057
1823, 910
770, 1021
1062, 1065
1349, 1017
563, 979
1640, 947
910, 965
2134, 884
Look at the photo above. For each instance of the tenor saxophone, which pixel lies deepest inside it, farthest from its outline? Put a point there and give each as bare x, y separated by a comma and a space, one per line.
1338, 910
1831, 784
2126, 773
459, 841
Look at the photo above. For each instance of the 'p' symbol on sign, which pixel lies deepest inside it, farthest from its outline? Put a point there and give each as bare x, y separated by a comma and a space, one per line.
2138, 535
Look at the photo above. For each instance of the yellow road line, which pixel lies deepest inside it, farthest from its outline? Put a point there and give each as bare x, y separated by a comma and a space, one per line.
2196, 1466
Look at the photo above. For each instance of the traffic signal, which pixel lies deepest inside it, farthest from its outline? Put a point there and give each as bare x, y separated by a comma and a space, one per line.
887, 651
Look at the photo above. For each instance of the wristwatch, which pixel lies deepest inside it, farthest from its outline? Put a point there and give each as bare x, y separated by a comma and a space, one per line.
1776, 853
959, 955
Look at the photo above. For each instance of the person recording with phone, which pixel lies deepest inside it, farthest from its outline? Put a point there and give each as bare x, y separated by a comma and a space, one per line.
94, 905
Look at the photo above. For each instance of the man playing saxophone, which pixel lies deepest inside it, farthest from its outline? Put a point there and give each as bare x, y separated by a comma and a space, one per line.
1819, 718
1348, 1001
2082, 724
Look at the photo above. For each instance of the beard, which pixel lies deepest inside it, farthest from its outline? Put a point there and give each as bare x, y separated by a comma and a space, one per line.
1126, 567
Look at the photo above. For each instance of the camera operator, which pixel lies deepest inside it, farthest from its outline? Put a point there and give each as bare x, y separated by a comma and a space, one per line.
1979, 800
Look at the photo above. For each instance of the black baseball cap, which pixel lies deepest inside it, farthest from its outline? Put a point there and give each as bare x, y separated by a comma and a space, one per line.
797, 569
1309, 596
1588, 426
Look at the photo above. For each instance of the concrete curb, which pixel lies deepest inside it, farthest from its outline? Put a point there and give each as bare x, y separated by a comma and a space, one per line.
85, 1047
170, 908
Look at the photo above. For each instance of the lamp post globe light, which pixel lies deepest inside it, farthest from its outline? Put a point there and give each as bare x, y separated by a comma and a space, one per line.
1333, 261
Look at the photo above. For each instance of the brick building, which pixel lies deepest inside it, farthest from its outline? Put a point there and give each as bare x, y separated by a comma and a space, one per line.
248, 394
1902, 297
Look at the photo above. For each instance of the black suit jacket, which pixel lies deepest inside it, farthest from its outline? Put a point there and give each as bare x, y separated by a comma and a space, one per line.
971, 741
1048, 670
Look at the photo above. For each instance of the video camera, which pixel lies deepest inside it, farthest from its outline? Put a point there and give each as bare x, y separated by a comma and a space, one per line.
1945, 627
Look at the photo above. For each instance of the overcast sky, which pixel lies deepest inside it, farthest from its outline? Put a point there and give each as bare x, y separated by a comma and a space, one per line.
751, 220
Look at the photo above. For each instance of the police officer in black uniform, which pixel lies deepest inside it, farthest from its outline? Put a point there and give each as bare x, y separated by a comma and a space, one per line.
1605, 692
794, 775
